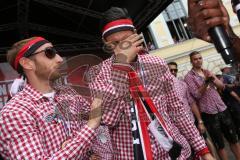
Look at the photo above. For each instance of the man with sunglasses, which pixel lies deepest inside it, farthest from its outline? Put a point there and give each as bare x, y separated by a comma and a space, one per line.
142, 109
42, 120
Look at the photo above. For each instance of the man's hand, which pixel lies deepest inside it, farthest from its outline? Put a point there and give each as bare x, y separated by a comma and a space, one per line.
95, 157
205, 14
208, 156
95, 114
127, 49
201, 128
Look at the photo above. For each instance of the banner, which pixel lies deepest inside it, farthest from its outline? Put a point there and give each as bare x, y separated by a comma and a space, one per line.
4, 92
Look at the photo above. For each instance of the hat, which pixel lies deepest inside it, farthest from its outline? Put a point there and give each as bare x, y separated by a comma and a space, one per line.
225, 66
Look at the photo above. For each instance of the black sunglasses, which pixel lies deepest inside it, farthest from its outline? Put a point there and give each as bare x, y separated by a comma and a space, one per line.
173, 70
50, 52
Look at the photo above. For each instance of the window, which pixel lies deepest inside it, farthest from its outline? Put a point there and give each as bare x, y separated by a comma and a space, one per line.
175, 17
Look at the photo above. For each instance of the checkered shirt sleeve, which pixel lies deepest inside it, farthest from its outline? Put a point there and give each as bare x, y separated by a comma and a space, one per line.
99, 77
178, 114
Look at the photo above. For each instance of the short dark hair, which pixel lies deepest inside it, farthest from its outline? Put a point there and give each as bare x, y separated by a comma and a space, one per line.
193, 54
112, 14
173, 63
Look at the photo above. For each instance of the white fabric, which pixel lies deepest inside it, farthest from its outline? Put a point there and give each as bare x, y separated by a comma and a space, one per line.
158, 133
50, 95
17, 86
237, 7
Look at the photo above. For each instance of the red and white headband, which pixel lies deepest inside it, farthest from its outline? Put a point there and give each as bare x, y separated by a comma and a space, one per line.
28, 49
116, 26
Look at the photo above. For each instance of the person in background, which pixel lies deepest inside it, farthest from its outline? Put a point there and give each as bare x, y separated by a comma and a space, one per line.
226, 75
191, 106
151, 46
232, 100
217, 119
43, 120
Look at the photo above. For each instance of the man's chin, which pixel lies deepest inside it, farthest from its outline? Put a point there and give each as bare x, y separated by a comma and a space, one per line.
54, 76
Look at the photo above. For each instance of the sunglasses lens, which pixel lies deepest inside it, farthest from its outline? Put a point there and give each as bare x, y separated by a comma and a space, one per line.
50, 52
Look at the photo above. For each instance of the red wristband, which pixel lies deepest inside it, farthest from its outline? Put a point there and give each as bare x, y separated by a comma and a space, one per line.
202, 152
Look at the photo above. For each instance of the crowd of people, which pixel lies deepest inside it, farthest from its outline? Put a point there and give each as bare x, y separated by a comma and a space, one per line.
138, 108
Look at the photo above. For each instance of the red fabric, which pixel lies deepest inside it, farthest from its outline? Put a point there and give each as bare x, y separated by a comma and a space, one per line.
135, 82
116, 23
144, 127
202, 152
23, 50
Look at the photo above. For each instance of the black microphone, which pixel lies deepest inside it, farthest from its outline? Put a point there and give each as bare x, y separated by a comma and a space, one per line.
222, 43
236, 7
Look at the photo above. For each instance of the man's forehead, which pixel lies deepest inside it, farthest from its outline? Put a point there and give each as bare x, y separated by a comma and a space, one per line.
197, 56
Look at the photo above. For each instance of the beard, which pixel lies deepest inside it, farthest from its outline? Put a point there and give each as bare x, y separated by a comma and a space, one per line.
45, 73
54, 76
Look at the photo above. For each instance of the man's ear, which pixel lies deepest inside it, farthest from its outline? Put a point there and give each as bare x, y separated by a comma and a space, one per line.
26, 63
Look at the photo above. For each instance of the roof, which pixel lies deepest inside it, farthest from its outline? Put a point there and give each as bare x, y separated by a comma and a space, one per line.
72, 25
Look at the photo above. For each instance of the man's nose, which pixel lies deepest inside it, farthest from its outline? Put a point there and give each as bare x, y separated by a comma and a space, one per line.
59, 58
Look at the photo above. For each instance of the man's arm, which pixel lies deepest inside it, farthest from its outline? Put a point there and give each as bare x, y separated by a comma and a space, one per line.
181, 121
113, 86
193, 88
202, 89
196, 112
219, 84
234, 95
198, 116
23, 140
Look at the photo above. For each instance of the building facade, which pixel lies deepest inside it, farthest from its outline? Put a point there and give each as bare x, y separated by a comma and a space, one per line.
174, 41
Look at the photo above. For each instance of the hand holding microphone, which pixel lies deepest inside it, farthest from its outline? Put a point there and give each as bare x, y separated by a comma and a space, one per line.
209, 21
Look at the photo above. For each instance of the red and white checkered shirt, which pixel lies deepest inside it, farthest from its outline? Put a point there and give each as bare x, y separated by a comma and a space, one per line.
185, 96
210, 101
31, 128
158, 81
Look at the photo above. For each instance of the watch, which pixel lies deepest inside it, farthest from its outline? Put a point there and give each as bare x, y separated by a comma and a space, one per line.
200, 122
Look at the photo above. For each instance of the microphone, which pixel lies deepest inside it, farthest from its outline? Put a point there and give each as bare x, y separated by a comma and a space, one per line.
236, 7
222, 43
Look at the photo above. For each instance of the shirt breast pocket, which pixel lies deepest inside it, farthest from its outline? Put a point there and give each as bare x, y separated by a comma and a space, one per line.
52, 131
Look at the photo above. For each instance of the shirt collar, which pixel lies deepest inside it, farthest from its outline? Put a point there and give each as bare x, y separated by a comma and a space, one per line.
32, 93
195, 73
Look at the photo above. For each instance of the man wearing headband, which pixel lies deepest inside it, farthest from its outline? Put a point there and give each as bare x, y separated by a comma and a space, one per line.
42, 121
142, 107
